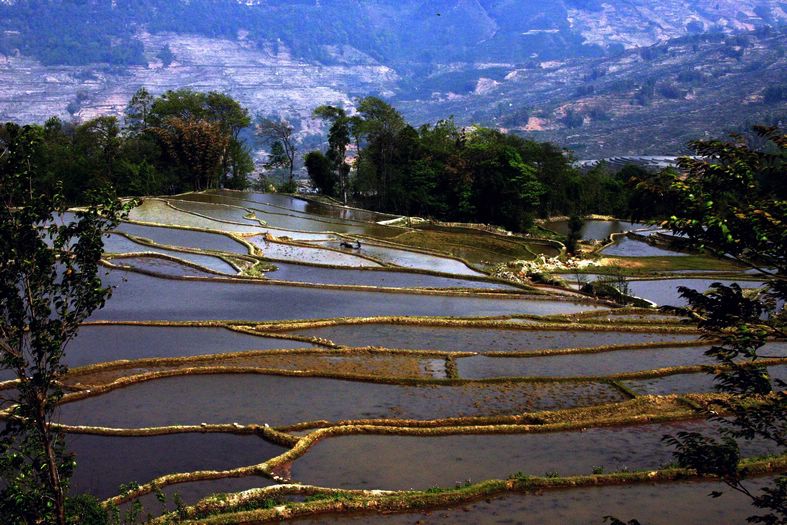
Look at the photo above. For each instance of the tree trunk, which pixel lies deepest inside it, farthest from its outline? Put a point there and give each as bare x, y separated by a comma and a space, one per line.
53, 475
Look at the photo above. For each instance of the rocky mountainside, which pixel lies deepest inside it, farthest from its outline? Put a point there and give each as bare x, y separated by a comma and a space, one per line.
579, 72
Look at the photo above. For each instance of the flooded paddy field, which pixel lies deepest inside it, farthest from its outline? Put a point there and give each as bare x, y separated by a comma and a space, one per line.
173, 301
359, 364
160, 212
410, 259
184, 238
192, 492
595, 229
219, 212
309, 254
685, 383
239, 211
397, 365
287, 212
161, 266
627, 247
104, 343
278, 401
665, 291
380, 278
593, 364
688, 503
104, 463
405, 462
480, 339
288, 202
119, 244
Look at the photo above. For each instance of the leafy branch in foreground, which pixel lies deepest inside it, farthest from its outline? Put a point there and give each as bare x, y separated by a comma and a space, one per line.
732, 200
49, 284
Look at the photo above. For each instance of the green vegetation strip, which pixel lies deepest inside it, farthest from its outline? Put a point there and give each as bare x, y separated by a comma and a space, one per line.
623, 311
262, 505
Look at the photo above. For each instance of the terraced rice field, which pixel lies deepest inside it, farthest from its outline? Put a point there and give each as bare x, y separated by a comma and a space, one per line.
246, 349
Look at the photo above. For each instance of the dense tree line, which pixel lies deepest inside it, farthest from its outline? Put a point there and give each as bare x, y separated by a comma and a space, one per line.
456, 174
180, 141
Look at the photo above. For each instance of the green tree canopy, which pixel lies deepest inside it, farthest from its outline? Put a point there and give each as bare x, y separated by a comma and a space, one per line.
49, 285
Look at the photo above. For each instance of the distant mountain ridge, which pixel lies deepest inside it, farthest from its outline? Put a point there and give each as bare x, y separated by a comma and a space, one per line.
390, 31
499, 62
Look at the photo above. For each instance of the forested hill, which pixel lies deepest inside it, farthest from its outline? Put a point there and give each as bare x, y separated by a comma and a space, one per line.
393, 32
587, 74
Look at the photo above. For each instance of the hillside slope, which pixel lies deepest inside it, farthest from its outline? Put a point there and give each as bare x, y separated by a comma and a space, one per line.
581, 72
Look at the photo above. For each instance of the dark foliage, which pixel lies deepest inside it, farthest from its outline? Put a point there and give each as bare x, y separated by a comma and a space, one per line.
730, 199
457, 174
180, 141
49, 285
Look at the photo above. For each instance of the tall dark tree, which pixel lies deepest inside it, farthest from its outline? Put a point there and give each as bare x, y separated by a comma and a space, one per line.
196, 144
137, 114
281, 132
49, 285
380, 127
575, 224
217, 110
506, 190
320, 170
339, 138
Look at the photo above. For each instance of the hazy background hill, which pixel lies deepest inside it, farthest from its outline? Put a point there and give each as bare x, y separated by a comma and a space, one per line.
583, 73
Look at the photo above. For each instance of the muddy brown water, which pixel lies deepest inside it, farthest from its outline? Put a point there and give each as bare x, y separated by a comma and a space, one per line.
277, 401
139, 297
104, 463
651, 504
599, 364
405, 462
96, 344
478, 339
